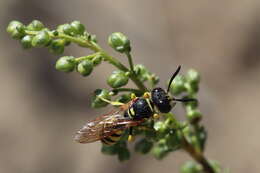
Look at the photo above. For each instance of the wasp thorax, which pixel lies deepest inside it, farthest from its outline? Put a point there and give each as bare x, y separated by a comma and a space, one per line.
161, 100
141, 108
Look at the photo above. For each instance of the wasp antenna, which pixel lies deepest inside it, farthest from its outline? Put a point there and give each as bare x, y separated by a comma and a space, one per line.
173, 76
185, 100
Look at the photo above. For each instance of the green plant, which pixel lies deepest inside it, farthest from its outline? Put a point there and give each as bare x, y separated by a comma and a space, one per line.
159, 137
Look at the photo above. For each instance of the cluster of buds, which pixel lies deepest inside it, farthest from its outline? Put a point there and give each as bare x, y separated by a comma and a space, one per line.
35, 34
83, 65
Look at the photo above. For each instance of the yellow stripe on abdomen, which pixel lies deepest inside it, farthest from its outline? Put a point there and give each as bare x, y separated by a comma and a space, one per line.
111, 140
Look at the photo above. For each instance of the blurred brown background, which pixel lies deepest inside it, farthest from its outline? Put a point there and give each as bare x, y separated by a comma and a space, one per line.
41, 108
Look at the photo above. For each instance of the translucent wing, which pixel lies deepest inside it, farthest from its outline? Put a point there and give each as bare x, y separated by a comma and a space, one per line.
105, 125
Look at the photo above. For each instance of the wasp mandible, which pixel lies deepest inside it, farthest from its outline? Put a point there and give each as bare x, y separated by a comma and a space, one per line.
108, 128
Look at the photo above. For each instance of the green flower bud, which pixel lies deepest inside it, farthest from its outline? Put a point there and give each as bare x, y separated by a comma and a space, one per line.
68, 29
41, 39
119, 42
57, 46
154, 79
143, 146
96, 101
60, 28
159, 126
66, 64
160, 150
78, 27
85, 67
26, 41
35, 25
194, 115
191, 88
216, 166
177, 85
193, 76
55, 32
93, 38
97, 60
192, 104
173, 140
191, 167
16, 29
117, 79
142, 72
202, 136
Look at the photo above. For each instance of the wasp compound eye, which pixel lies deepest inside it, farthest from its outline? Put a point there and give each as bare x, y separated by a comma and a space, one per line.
161, 100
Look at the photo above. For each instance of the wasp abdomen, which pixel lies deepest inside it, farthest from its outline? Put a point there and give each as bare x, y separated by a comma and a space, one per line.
111, 140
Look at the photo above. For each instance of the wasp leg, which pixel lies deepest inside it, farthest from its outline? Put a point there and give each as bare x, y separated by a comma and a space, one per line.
131, 137
156, 116
111, 102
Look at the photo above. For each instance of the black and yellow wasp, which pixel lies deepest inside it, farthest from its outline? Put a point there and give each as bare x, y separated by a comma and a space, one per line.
109, 127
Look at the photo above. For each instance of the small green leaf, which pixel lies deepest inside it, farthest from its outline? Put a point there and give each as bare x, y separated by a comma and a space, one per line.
123, 154
143, 146
109, 150
97, 102
124, 98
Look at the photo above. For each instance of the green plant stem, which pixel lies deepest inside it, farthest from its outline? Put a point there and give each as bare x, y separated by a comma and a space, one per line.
130, 60
136, 91
198, 156
87, 57
96, 48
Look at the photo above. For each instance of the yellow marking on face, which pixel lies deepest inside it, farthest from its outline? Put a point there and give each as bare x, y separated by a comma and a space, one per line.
132, 111
149, 104
133, 96
146, 95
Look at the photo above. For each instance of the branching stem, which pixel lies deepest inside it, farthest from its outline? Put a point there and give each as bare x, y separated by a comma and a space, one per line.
130, 60
131, 90
96, 48
198, 156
